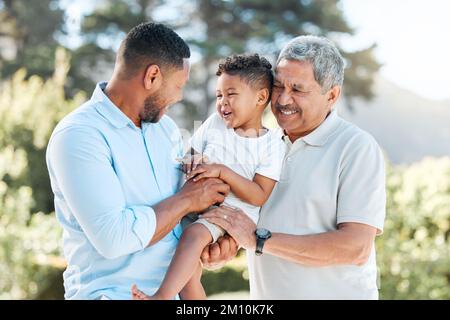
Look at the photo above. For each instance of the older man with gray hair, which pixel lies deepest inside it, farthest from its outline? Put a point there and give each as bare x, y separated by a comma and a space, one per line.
316, 233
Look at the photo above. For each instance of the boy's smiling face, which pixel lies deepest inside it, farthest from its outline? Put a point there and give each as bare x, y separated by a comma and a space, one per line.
238, 103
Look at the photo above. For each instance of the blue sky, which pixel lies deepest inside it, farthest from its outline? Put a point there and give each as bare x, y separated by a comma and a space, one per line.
412, 38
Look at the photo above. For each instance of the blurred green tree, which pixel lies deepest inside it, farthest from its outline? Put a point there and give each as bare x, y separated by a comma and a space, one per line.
218, 28
31, 32
30, 109
30, 244
414, 251
28, 36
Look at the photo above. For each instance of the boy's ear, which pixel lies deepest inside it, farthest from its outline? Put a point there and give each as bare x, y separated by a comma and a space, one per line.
263, 96
152, 77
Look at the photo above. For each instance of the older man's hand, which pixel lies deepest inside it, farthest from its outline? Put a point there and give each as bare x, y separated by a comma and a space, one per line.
217, 254
236, 223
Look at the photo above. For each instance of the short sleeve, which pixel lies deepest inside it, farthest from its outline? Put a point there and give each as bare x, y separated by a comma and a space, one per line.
362, 193
272, 157
200, 136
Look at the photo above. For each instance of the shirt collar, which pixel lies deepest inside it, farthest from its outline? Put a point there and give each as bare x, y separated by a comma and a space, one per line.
320, 135
108, 109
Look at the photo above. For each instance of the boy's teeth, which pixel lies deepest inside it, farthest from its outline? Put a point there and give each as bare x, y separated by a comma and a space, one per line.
287, 112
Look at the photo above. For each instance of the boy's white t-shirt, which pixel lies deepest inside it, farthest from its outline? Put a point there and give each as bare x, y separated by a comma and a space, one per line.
245, 156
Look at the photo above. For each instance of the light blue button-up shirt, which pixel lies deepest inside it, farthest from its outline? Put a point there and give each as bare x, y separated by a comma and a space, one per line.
106, 173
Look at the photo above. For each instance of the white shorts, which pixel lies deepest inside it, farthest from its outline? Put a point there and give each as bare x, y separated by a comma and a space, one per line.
215, 231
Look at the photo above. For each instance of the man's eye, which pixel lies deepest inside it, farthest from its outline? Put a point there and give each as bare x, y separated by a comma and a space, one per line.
300, 91
219, 96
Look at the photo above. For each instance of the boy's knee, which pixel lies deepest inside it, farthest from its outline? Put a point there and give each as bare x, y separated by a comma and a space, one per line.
196, 232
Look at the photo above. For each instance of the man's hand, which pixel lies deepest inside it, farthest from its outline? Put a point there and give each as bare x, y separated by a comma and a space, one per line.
193, 197
206, 171
204, 193
217, 254
236, 223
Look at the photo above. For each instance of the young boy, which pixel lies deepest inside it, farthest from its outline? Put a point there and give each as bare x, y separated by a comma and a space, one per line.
241, 152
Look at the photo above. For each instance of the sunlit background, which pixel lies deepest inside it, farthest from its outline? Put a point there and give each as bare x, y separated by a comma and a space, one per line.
397, 88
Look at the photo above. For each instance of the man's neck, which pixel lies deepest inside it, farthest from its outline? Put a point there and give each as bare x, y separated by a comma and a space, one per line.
120, 96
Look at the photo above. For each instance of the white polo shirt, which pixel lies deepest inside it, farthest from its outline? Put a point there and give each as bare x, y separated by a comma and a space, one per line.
333, 175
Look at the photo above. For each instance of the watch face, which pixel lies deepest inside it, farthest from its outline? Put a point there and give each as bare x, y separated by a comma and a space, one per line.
262, 233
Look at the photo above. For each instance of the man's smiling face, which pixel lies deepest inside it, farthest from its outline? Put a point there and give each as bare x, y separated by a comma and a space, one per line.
297, 99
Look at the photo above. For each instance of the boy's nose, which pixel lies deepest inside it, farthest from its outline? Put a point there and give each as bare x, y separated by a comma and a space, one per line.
224, 102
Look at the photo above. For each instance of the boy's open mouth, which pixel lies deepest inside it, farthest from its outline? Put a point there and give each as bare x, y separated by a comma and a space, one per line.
226, 114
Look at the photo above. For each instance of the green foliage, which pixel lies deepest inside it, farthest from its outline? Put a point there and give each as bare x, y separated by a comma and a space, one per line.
414, 251
29, 244
31, 27
29, 239
232, 277
30, 109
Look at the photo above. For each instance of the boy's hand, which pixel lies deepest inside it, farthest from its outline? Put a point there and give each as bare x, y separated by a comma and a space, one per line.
191, 162
206, 171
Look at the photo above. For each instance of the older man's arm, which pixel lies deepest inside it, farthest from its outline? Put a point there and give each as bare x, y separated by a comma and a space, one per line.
350, 244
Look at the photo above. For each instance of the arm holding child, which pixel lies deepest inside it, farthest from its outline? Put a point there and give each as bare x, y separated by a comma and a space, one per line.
255, 192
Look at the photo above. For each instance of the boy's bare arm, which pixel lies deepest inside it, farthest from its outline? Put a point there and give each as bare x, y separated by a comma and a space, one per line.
255, 192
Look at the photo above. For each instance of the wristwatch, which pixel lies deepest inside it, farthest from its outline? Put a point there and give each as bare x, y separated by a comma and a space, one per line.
261, 236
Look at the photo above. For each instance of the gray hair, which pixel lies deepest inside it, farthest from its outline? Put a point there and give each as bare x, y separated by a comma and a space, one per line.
327, 62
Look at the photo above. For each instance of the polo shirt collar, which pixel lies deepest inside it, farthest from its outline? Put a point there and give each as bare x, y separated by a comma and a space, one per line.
321, 134
108, 109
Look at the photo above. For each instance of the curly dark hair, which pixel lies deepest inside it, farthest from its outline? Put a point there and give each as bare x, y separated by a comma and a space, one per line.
153, 43
252, 68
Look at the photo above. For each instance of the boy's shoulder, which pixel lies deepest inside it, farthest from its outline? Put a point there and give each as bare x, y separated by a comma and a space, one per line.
275, 136
214, 122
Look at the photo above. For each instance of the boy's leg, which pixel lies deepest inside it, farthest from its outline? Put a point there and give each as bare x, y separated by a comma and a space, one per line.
193, 290
185, 261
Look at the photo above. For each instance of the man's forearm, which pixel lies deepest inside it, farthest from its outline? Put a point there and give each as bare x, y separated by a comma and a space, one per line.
168, 213
338, 247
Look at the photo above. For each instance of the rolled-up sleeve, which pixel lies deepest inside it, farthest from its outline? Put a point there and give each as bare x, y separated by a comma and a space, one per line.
80, 161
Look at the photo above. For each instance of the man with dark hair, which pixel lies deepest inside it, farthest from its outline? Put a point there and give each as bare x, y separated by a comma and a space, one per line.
114, 175
151, 43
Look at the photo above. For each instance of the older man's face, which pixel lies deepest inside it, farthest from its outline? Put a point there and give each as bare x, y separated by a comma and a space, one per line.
297, 100
157, 104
